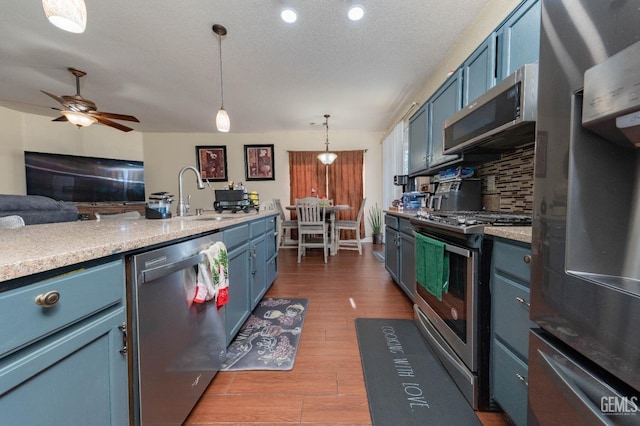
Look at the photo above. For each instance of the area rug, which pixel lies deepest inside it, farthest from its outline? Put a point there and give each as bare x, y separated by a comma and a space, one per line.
268, 340
379, 255
405, 382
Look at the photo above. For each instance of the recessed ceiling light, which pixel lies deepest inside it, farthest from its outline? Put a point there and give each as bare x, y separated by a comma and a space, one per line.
356, 13
288, 15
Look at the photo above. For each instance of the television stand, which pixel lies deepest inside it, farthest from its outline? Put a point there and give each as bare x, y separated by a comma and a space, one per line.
87, 211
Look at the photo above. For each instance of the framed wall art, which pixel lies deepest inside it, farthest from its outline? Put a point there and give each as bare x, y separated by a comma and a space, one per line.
259, 162
212, 163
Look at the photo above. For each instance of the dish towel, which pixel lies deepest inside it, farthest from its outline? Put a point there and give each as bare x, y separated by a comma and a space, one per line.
213, 276
432, 265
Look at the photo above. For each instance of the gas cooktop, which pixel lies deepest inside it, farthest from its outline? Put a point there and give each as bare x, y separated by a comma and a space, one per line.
468, 222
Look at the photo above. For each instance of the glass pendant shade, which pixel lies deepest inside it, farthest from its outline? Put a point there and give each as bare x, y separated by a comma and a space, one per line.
79, 118
222, 121
68, 15
327, 157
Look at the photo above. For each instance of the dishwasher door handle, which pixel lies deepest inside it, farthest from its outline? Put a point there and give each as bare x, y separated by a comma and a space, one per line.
151, 274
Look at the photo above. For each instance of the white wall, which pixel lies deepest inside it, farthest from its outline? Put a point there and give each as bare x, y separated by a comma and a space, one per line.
166, 153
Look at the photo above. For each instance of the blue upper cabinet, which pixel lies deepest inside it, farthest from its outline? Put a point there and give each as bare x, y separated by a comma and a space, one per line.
444, 103
519, 38
479, 70
418, 153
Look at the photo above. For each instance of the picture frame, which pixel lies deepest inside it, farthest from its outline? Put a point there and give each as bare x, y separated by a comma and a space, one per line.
212, 163
259, 162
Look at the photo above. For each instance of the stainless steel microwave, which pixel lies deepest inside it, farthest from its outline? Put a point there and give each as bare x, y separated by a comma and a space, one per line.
502, 118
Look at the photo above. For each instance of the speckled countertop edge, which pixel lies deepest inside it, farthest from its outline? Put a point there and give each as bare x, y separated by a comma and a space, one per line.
38, 248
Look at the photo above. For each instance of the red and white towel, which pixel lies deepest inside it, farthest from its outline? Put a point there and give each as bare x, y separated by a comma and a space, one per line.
213, 276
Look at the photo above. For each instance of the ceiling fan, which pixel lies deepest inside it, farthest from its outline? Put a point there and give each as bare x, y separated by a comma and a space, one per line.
83, 112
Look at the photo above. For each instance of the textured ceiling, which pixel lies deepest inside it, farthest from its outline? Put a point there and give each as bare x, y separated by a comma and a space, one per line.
158, 60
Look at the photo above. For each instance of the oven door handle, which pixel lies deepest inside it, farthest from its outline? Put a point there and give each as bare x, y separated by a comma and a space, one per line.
453, 249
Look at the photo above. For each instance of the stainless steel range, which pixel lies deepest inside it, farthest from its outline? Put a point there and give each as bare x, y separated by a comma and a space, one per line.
456, 325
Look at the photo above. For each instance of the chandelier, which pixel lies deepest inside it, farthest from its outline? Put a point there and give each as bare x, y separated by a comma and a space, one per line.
327, 157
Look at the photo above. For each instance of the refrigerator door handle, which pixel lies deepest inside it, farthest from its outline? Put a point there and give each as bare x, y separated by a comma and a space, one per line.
562, 377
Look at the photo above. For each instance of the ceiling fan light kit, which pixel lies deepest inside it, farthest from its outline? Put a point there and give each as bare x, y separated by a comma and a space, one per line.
223, 123
68, 15
83, 112
78, 118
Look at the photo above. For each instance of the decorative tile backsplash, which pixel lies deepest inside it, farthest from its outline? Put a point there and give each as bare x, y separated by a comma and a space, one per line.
507, 183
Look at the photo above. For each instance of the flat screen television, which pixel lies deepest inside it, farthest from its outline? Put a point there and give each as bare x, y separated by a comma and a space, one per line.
84, 179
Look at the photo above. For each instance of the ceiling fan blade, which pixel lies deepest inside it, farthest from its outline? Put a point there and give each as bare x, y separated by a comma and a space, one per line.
61, 118
56, 97
114, 116
111, 123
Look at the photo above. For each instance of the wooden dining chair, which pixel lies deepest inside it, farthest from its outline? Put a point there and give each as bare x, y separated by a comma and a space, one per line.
351, 225
283, 225
312, 228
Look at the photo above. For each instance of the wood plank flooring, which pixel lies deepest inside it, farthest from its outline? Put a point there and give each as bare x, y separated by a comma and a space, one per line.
326, 385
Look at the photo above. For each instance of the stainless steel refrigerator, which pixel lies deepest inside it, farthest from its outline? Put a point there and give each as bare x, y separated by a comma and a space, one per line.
584, 360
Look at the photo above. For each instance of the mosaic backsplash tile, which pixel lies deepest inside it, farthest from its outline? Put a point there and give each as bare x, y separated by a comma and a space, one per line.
513, 177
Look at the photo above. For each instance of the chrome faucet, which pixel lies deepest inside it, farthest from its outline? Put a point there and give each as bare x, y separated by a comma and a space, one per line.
182, 206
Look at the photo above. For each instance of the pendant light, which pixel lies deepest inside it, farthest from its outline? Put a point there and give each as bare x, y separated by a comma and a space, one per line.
68, 15
222, 118
327, 157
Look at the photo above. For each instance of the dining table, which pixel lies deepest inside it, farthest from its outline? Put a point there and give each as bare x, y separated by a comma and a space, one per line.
331, 211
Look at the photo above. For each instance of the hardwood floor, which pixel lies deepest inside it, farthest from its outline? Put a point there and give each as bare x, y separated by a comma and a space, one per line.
326, 385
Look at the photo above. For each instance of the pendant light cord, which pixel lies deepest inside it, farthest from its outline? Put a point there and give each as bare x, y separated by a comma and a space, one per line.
221, 85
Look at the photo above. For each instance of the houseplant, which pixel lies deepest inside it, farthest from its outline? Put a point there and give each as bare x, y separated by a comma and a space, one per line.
375, 220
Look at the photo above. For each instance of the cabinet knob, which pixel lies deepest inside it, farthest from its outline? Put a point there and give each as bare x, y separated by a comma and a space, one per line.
524, 302
527, 259
48, 299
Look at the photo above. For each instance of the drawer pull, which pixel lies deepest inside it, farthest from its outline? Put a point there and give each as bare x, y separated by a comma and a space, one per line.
524, 302
522, 379
527, 259
48, 299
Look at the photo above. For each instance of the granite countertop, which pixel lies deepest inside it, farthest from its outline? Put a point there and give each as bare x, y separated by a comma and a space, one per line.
37, 248
517, 233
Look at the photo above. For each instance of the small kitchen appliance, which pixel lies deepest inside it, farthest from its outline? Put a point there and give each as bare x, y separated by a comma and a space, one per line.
412, 200
235, 200
159, 206
457, 194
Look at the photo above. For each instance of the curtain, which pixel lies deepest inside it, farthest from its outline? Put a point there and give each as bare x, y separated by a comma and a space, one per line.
346, 181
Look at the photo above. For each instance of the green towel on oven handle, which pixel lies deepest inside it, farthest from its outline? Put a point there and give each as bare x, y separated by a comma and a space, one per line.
432, 265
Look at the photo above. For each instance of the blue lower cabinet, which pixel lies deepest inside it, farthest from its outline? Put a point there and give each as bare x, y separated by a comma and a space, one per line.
510, 324
75, 373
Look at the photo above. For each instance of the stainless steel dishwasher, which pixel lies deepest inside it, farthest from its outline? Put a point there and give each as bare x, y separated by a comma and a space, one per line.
177, 345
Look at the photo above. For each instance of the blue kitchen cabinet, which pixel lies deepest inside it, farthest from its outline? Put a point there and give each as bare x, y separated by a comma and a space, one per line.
271, 238
418, 146
399, 252
64, 360
519, 38
510, 324
479, 70
237, 310
253, 266
257, 260
407, 278
391, 246
445, 102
